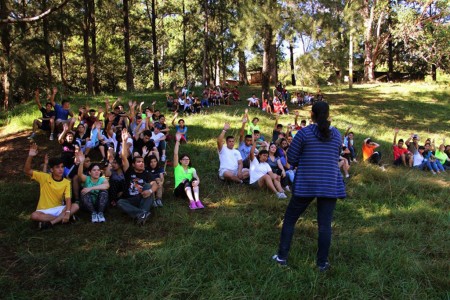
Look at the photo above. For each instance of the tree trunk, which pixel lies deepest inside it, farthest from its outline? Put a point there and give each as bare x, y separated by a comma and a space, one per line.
61, 63
184, 45
291, 52
242, 68
47, 48
156, 85
93, 33
265, 80
87, 56
126, 41
433, 72
273, 63
350, 57
5, 57
369, 66
206, 66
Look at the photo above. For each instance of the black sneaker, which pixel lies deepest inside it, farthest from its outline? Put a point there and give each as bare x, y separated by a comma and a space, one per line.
142, 218
281, 262
45, 225
325, 267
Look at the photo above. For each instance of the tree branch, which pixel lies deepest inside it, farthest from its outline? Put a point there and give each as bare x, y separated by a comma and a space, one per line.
35, 18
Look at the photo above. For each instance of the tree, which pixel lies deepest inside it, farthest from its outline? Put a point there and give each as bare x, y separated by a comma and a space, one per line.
127, 51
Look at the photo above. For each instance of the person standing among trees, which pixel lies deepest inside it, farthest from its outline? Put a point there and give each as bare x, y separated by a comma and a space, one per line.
54, 188
315, 151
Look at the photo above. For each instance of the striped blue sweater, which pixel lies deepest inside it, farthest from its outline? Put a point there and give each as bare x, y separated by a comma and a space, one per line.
317, 173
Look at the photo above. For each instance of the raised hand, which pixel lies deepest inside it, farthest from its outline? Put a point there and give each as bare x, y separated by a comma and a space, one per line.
124, 135
65, 127
226, 126
396, 130
55, 90
178, 136
33, 150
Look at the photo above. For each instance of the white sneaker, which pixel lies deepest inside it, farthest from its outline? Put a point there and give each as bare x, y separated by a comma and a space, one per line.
94, 218
101, 217
281, 195
287, 188
51, 137
163, 158
31, 136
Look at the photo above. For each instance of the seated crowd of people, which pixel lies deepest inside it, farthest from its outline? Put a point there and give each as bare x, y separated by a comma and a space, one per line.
132, 144
186, 101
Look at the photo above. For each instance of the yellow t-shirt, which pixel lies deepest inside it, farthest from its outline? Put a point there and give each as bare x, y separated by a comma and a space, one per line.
52, 192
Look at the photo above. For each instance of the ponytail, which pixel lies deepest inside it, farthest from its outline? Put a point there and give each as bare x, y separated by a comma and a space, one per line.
321, 112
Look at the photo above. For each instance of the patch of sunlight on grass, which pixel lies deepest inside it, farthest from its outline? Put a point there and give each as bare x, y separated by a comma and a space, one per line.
383, 211
408, 118
148, 244
206, 225
225, 202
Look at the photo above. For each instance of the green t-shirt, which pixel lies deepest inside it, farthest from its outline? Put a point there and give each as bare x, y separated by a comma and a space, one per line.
251, 128
88, 183
442, 156
181, 174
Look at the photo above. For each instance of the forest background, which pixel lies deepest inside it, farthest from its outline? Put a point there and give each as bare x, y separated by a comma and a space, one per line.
105, 46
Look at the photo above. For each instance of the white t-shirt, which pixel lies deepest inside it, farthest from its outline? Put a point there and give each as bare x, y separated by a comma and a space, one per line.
258, 170
253, 100
418, 159
157, 138
229, 158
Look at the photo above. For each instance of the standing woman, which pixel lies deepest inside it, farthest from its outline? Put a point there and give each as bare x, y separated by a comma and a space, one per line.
315, 151
186, 178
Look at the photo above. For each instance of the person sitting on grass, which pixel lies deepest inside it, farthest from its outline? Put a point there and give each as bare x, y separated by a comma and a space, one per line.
442, 156
186, 179
261, 174
431, 161
137, 199
253, 101
277, 167
277, 129
157, 175
54, 188
180, 128
47, 121
94, 195
62, 112
369, 153
401, 155
68, 148
231, 167
349, 143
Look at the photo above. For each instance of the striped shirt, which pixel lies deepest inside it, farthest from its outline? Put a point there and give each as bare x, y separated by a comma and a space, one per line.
317, 173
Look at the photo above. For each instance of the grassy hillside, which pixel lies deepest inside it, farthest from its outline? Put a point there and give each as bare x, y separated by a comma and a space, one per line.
390, 236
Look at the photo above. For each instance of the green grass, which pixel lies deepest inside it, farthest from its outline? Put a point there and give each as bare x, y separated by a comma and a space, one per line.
390, 236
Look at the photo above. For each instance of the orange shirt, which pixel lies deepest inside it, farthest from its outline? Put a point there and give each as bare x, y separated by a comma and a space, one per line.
367, 150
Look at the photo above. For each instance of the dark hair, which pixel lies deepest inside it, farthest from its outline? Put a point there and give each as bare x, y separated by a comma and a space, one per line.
229, 137
248, 136
48, 104
421, 148
160, 116
183, 156
150, 157
54, 161
136, 157
321, 112
64, 102
255, 119
256, 131
262, 152
303, 121
91, 166
400, 140
147, 133
279, 125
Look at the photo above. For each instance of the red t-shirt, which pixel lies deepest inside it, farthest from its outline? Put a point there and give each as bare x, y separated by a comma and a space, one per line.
398, 151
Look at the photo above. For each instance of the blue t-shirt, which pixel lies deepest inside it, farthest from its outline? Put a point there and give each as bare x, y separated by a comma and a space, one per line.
61, 113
